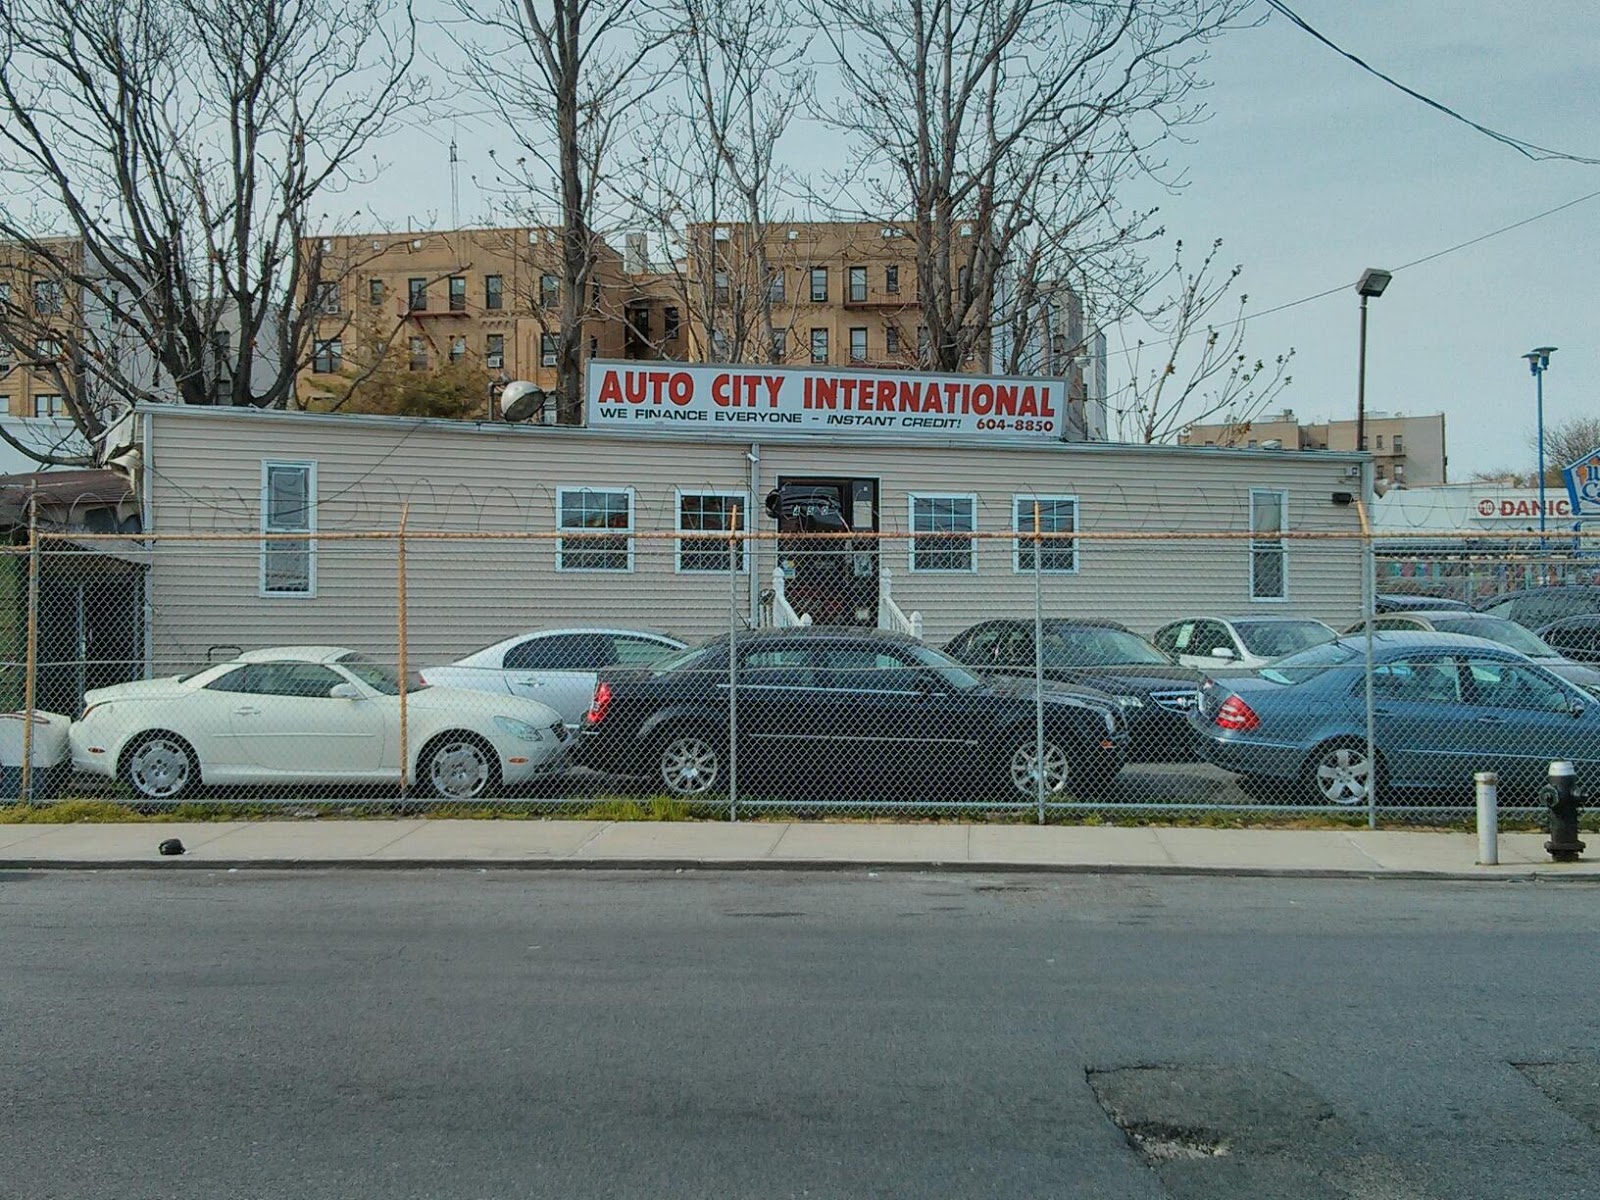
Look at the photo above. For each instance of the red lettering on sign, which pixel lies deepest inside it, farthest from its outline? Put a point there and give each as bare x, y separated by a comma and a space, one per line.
610, 389
1005, 399
680, 387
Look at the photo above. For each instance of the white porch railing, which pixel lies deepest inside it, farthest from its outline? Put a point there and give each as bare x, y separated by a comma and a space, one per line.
776, 611
890, 614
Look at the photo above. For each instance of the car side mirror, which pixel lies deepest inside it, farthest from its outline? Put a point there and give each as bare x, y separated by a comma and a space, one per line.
1224, 653
344, 691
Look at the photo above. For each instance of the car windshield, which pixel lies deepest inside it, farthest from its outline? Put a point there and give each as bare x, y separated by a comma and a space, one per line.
1308, 664
377, 676
1274, 639
1097, 646
953, 673
1497, 629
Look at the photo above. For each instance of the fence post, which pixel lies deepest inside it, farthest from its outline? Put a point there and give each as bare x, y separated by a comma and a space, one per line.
1369, 604
733, 666
31, 665
1038, 664
400, 658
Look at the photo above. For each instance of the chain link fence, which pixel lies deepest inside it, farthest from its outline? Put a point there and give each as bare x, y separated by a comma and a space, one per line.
729, 674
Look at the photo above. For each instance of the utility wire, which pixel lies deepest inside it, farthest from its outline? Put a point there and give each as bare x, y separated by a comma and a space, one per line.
1527, 149
1344, 287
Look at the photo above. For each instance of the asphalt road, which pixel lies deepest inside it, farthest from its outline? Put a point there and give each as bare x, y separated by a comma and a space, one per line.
532, 1034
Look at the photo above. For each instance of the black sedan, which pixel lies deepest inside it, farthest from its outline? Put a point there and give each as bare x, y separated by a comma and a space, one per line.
826, 713
1156, 693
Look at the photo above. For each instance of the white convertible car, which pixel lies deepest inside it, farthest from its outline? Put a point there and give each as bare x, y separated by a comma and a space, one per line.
310, 714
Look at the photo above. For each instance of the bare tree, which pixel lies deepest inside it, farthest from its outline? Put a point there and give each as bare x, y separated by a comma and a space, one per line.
180, 148
1565, 443
976, 122
564, 79
1201, 370
713, 172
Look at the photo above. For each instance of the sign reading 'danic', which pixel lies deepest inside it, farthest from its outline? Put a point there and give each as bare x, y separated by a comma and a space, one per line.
1517, 508
719, 397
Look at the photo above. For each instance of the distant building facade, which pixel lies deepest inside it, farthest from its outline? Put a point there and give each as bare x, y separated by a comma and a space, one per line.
1406, 451
789, 293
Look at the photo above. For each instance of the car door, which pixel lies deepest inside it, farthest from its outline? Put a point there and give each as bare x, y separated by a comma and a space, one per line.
289, 725
558, 669
1524, 718
1419, 719
782, 743
888, 728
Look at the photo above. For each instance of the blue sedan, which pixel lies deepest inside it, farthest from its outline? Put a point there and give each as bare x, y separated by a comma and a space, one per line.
1445, 706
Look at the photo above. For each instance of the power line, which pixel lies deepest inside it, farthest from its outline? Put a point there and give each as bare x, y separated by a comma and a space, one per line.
1527, 149
1416, 262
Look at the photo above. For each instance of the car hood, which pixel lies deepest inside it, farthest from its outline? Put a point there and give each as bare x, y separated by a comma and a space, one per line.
1054, 689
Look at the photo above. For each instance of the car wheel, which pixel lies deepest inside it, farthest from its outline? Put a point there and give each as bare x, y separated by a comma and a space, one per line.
1340, 773
459, 766
689, 762
160, 766
1026, 764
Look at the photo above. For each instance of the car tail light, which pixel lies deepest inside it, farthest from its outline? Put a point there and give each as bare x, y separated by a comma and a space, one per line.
422, 678
599, 705
1236, 714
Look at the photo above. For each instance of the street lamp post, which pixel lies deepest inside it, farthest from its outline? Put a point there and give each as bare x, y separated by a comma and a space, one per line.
1538, 363
1372, 283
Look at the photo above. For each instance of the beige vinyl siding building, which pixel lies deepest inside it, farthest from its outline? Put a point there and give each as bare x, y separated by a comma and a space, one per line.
636, 493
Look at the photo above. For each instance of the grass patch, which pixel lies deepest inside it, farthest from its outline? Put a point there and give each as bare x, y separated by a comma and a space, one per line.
648, 808
70, 812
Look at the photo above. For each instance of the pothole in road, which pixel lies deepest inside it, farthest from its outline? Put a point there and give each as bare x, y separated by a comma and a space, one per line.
1168, 1143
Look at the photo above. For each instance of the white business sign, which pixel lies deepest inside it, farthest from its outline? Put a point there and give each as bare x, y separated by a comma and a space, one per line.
1520, 507
744, 399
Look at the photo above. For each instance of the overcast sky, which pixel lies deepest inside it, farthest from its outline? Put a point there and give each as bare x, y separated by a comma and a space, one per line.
1310, 170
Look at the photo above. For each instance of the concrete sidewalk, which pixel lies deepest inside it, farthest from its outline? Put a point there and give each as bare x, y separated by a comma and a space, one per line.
796, 846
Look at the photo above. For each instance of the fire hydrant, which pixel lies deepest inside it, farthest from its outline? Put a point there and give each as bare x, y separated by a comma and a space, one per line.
1562, 796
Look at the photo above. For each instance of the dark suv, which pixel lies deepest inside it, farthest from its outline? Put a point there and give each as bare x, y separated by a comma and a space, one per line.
825, 713
1155, 692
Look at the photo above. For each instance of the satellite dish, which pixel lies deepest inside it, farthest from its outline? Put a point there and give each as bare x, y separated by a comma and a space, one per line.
522, 400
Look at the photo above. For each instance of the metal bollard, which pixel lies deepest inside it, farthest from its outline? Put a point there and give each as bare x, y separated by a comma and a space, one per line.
1488, 785
1563, 798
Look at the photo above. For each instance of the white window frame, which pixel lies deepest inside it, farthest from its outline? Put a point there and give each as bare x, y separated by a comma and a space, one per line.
1024, 541
743, 558
1279, 545
863, 355
310, 467
561, 494
911, 524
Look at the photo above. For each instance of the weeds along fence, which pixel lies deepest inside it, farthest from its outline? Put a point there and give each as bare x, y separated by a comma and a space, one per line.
1039, 673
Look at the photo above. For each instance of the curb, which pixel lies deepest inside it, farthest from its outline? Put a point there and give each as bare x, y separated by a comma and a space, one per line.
1533, 874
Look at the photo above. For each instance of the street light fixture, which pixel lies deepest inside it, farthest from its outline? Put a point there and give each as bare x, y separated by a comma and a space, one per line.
1373, 281
1538, 362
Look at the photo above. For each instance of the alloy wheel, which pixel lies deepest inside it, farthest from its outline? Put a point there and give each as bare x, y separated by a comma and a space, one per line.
459, 770
690, 765
1025, 769
1344, 775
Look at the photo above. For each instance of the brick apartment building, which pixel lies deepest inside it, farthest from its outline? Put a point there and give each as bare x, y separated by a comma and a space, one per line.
1406, 450
830, 293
